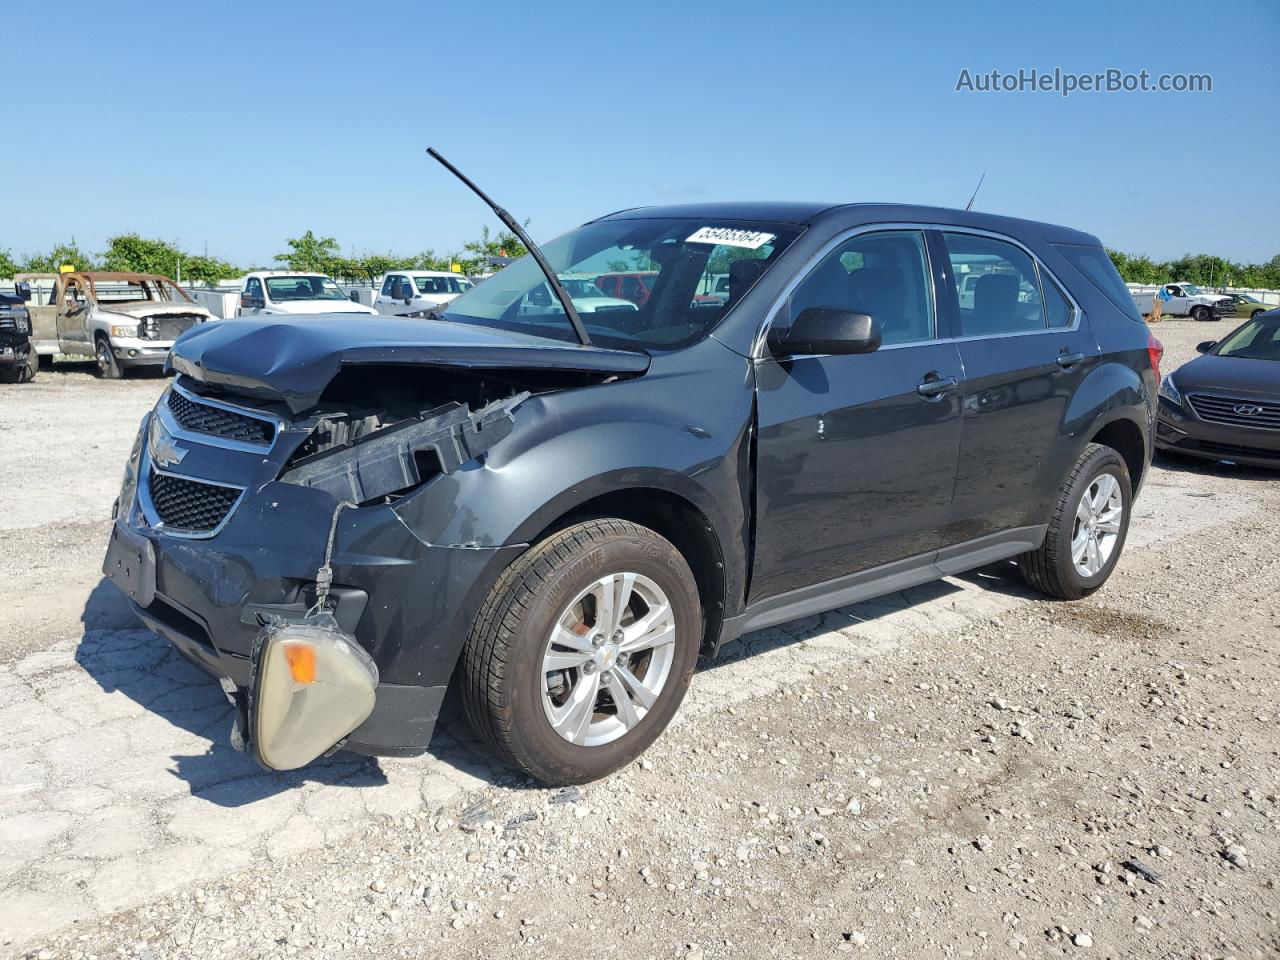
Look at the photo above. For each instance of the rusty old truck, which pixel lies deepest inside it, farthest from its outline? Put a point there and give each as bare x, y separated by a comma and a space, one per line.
122, 320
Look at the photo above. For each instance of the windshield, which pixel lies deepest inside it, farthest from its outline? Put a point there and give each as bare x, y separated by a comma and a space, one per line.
302, 288
442, 284
577, 287
1256, 340
1190, 289
677, 256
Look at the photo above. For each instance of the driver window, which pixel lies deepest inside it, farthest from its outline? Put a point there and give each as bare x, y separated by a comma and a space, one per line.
885, 275
72, 295
389, 284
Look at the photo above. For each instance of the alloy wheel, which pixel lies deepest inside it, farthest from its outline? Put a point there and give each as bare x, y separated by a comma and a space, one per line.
1097, 525
608, 659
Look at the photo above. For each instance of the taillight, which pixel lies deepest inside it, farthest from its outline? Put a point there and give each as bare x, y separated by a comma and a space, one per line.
1155, 350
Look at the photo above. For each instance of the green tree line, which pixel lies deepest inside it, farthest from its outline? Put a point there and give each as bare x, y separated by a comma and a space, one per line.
1199, 268
128, 252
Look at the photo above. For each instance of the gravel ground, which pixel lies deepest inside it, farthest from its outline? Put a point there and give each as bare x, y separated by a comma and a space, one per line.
962, 769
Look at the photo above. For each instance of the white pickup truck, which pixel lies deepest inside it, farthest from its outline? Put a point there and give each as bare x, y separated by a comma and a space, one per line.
124, 321
412, 293
285, 292
1188, 300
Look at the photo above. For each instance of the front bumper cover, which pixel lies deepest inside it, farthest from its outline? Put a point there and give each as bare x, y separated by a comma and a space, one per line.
1180, 431
408, 603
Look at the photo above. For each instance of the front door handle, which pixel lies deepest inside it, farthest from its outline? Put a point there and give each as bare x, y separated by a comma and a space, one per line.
1068, 360
933, 387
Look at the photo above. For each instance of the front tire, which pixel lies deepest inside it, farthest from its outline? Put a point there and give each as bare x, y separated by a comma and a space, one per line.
1201, 314
1087, 530
31, 368
583, 651
107, 368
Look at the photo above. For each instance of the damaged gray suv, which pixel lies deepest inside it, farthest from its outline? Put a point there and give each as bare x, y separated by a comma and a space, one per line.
557, 514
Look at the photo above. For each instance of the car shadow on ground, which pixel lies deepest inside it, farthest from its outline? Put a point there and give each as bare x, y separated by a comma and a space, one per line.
1195, 466
123, 656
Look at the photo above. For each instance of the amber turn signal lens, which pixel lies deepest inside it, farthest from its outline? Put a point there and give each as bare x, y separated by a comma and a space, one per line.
302, 662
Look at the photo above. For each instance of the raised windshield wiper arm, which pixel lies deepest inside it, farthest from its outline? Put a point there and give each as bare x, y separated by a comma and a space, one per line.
510, 223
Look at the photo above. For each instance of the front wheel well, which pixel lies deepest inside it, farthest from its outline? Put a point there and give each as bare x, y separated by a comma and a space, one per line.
1125, 437
677, 520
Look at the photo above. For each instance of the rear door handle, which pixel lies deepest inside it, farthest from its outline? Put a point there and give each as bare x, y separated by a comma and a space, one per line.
1068, 360
932, 387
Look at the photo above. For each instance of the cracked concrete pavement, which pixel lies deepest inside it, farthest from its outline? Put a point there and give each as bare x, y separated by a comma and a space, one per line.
118, 784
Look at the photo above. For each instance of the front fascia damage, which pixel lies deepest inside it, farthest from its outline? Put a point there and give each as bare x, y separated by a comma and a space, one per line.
391, 460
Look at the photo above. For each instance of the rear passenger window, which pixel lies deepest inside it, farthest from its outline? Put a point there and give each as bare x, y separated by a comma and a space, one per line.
884, 274
1056, 306
1094, 263
996, 285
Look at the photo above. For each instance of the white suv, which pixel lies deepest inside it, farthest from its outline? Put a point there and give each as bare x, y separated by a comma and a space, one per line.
412, 293
276, 292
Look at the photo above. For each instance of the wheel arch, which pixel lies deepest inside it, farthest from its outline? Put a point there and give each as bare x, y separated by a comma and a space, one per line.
1126, 437
673, 516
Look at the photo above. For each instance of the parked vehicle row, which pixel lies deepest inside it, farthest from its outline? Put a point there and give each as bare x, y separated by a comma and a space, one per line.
560, 511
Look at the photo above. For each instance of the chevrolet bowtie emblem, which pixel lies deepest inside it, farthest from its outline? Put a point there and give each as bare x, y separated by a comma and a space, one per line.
165, 452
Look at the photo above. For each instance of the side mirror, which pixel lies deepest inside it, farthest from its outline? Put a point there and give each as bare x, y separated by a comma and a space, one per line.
249, 302
354, 296
405, 291
1206, 345
23, 290
826, 330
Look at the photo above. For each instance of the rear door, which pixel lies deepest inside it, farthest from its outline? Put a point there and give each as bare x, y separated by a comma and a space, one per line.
43, 308
856, 455
1026, 349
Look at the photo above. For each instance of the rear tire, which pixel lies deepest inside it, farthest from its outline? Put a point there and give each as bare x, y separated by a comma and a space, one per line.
1087, 530
107, 367
546, 657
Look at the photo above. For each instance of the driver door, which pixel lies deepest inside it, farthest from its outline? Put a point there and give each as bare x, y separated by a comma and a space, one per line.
857, 455
73, 315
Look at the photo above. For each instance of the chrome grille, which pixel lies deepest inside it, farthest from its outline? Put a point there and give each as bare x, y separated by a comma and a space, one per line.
190, 505
1235, 411
200, 417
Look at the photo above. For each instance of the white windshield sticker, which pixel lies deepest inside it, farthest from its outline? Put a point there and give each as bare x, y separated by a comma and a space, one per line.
730, 237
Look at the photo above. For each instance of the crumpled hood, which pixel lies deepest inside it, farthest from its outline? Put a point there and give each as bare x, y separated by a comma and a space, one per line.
292, 359
313, 307
1227, 375
146, 308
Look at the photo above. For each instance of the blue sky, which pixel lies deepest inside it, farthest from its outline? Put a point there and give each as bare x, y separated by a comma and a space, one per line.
235, 125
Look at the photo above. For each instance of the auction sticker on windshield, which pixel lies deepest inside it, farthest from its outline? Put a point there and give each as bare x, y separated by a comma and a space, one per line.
729, 237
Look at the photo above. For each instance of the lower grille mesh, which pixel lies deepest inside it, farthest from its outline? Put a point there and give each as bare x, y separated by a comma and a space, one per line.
189, 504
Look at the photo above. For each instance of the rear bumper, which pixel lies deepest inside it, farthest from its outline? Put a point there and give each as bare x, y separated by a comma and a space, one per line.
409, 604
1180, 432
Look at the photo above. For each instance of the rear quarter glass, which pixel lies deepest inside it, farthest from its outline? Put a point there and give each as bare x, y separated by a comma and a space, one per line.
1097, 268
